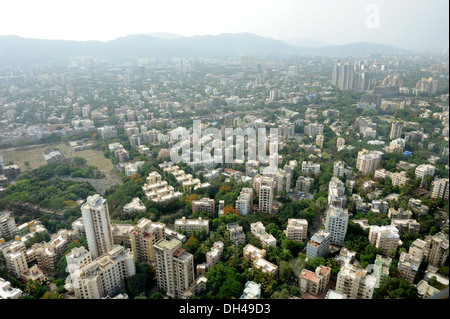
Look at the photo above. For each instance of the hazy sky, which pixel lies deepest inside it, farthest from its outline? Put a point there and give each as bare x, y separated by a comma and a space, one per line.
404, 23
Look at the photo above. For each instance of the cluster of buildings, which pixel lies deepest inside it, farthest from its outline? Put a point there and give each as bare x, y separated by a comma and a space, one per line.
187, 181
159, 191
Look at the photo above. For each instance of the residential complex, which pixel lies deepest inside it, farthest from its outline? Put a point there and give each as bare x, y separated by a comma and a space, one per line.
104, 276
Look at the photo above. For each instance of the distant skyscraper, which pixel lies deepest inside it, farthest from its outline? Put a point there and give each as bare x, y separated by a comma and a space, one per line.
97, 225
69, 87
247, 62
348, 77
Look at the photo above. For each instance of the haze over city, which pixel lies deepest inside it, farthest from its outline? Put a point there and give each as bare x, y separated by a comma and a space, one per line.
406, 24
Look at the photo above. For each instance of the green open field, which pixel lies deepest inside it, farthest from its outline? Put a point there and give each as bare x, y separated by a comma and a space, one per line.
34, 155
105, 165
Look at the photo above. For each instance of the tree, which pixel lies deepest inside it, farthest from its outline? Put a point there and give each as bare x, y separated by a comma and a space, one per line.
224, 282
368, 255
312, 264
284, 294
444, 271
285, 271
228, 209
157, 295
395, 288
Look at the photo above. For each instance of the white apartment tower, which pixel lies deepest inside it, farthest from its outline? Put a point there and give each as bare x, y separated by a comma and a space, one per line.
336, 193
385, 238
336, 224
424, 170
244, 202
266, 193
97, 225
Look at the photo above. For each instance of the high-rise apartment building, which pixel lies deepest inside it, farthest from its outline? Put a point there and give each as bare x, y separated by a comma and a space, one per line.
385, 238
340, 142
97, 225
48, 254
236, 232
259, 231
244, 202
319, 141
256, 258
347, 76
368, 161
314, 282
338, 169
266, 193
11, 171
213, 256
105, 276
440, 189
336, 193
310, 168
174, 267
336, 224
144, 235
8, 228
78, 258
408, 266
313, 129
436, 250
427, 86
396, 130
15, 257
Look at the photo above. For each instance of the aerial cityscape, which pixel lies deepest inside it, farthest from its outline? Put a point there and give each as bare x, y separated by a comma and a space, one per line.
225, 164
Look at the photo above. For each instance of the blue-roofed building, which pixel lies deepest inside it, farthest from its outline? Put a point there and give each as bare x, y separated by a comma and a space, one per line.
407, 153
